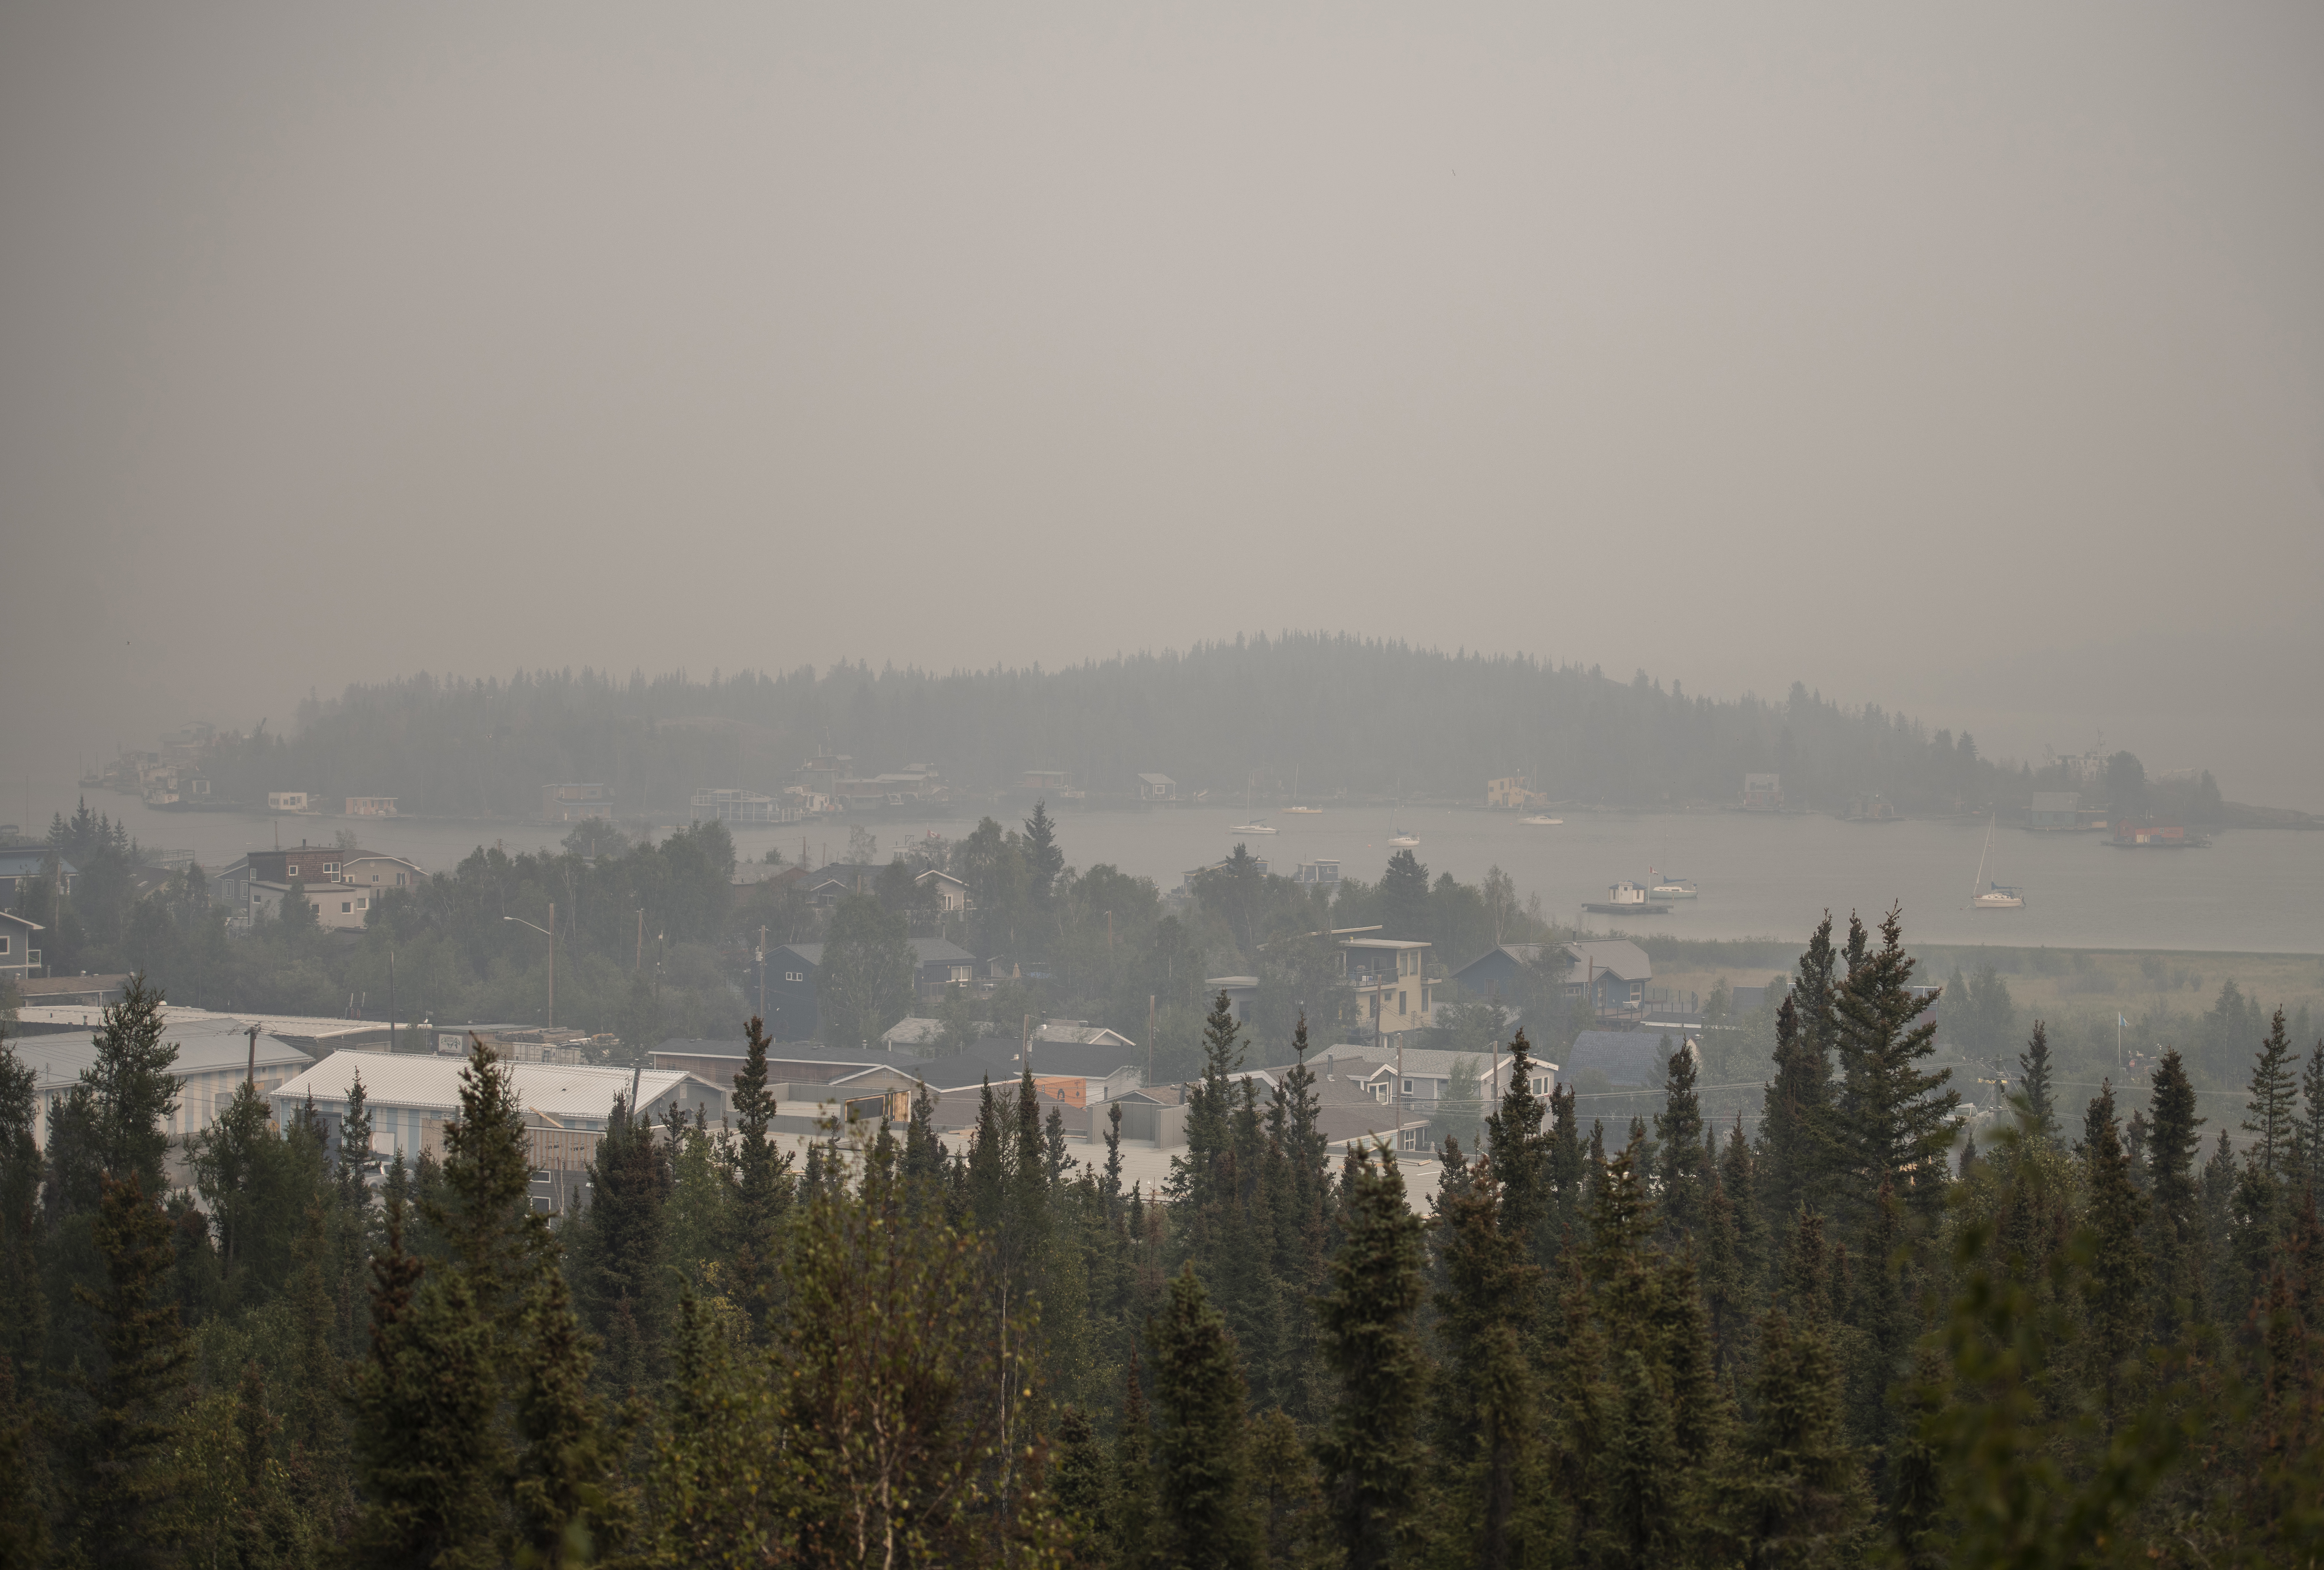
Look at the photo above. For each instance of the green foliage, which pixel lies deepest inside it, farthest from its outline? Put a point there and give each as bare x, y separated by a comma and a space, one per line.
1371, 1455
865, 984
126, 1488
977, 1355
1202, 1483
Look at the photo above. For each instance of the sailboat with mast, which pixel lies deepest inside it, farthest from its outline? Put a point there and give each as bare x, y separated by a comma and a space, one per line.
1295, 807
1398, 838
1985, 896
1256, 825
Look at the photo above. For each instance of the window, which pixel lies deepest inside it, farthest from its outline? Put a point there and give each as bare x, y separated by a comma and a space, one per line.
1541, 1085
3, 943
399, 880
291, 871
347, 907
330, 869
1399, 1004
1408, 1088
364, 903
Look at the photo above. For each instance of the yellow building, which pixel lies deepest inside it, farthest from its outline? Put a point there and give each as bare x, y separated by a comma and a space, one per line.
1389, 977
1515, 792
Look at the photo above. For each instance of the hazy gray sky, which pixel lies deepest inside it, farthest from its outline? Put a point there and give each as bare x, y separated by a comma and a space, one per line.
1964, 358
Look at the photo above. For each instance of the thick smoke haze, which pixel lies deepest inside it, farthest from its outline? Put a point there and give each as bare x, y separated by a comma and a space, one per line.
1966, 359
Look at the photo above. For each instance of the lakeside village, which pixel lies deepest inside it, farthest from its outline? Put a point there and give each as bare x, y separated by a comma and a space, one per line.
673, 1168
945, 967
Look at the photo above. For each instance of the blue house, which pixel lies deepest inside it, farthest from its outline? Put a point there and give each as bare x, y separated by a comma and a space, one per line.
22, 864
792, 969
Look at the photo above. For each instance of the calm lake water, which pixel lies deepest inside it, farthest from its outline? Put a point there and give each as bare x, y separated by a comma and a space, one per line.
2253, 889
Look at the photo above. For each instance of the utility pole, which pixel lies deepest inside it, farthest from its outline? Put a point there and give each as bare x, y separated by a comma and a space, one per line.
548, 932
640, 963
250, 1074
1149, 1039
762, 974
391, 1000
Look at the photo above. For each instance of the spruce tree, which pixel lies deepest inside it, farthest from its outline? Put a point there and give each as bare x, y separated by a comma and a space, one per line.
2116, 1293
25, 1504
566, 1511
1484, 1395
2177, 1221
1892, 1120
2312, 1122
1520, 1158
2034, 1068
1131, 1527
1203, 1498
1678, 1135
1798, 1498
1083, 1482
1806, 1032
621, 1252
1294, 1525
24, 1309
430, 1460
762, 1184
1790, 1156
1564, 1162
2272, 1114
1371, 1341
122, 1454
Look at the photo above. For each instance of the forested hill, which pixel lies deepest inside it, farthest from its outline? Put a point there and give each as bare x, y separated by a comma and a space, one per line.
1339, 713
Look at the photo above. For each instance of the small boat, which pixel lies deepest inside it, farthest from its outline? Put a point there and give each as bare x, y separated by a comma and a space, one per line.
1255, 825
1626, 899
1295, 807
1398, 838
1305, 811
1662, 888
1985, 896
1541, 821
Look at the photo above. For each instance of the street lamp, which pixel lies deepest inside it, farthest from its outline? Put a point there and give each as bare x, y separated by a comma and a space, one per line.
549, 932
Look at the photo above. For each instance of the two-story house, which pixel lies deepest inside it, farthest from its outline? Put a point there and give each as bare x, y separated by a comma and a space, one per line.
19, 960
21, 865
1389, 978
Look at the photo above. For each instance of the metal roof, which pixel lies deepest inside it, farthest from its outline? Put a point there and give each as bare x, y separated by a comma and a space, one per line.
26, 860
57, 1061
432, 1084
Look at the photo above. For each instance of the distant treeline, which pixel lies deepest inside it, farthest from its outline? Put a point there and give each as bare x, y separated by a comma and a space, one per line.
1332, 713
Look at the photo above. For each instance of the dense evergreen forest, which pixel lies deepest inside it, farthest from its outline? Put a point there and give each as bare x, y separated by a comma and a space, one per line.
1304, 708
2094, 1341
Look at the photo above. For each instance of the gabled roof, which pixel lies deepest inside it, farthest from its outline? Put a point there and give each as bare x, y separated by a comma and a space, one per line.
1522, 953
429, 1083
927, 950
782, 1052
203, 1047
